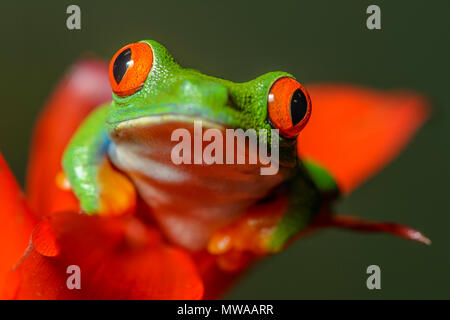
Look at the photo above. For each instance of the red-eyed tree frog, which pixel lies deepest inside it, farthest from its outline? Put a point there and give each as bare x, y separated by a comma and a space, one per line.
123, 150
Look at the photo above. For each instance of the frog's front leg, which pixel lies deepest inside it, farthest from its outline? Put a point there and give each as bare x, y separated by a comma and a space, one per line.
268, 226
99, 187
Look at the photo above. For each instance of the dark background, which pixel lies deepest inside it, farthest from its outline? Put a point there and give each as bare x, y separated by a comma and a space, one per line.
318, 41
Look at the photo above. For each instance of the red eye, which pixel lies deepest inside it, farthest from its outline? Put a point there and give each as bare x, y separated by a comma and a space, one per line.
129, 68
289, 106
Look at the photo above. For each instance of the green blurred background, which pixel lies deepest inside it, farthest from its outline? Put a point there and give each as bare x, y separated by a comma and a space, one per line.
318, 41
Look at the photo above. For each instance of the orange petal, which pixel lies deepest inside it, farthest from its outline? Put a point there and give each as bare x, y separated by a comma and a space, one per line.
16, 224
117, 193
85, 87
354, 132
114, 263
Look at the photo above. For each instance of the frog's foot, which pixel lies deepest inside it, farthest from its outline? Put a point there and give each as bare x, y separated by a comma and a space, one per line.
116, 193
249, 234
240, 242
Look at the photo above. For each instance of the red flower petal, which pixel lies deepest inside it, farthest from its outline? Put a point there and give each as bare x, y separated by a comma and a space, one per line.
16, 224
354, 132
215, 279
118, 257
44, 240
85, 87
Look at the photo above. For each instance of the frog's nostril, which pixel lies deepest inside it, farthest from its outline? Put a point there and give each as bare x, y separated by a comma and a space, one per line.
208, 92
188, 87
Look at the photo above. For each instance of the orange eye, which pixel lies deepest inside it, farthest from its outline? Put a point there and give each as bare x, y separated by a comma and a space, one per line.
289, 106
129, 68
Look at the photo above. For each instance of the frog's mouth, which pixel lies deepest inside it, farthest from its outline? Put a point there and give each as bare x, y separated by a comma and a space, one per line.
161, 137
169, 119
121, 117
162, 132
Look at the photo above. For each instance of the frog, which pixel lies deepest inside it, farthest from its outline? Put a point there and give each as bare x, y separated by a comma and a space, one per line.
123, 151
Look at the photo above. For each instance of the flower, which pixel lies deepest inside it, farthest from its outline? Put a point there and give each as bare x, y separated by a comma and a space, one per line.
43, 234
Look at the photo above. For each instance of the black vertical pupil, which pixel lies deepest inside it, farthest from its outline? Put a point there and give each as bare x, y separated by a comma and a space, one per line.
121, 65
299, 106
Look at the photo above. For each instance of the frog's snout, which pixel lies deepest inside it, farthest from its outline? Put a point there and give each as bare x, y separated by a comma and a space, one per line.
206, 92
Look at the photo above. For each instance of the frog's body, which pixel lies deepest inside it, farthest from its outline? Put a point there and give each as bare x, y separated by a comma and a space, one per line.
194, 203
190, 201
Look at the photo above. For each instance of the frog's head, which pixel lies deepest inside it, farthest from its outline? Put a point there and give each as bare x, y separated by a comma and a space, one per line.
151, 90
